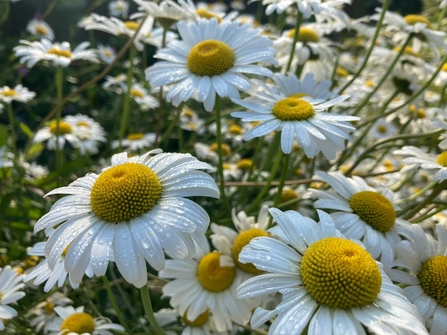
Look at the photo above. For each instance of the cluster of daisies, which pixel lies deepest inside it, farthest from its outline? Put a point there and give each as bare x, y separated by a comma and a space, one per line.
317, 171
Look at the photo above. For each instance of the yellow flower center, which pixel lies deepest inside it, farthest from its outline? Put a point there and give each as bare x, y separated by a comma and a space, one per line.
408, 50
305, 35
59, 52
203, 13
125, 191
49, 307
1, 295
225, 148
293, 109
433, 278
31, 261
210, 58
135, 137
288, 194
382, 129
136, 93
79, 323
442, 159
298, 95
235, 129
444, 67
340, 274
83, 124
244, 164
199, 321
132, 25
369, 83
41, 30
413, 19
64, 128
9, 93
241, 241
212, 276
375, 209
342, 72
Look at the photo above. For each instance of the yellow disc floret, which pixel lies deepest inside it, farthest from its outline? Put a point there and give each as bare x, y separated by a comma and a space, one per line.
241, 241
413, 19
375, 209
8, 93
433, 278
135, 137
59, 52
442, 159
293, 109
49, 307
305, 35
235, 129
226, 150
444, 67
210, 58
199, 321
136, 93
41, 30
1, 295
288, 194
79, 323
124, 191
64, 128
132, 25
212, 276
204, 14
340, 274
244, 164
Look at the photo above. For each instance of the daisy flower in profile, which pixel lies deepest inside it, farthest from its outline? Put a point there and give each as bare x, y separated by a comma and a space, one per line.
299, 117
364, 214
306, 7
74, 321
10, 286
118, 8
206, 284
131, 212
419, 158
136, 141
166, 13
40, 29
354, 294
211, 58
18, 93
59, 54
422, 267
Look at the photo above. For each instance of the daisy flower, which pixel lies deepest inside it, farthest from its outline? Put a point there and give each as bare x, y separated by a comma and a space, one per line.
6, 157
60, 54
306, 7
71, 321
10, 286
363, 213
131, 211
422, 267
297, 116
141, 96
203, 10
382, 128
210, 59
18, 93
118, 8
88, 131
40, 29
355, 292
50, 133
166, 13
136, 141
425, 160
207, 282
106, 53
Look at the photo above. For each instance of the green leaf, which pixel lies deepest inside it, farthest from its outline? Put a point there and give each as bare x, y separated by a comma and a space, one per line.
3, 135
26, 130
34, 151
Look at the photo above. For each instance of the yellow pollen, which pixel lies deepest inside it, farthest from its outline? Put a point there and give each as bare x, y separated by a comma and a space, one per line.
408, 50
199, 321
235, 129
8, 93
49, 307
433, 278
132, 25
413, 19
188, 113
241, 241
444, 67
59, 52
342, 72
212, 276
340, 274
31, 261
442, 159
135, 137
19, 270
382, 129
244, 164
305, 35
210, 58
226, 166
136, 93
369, 83
203, 13
41, 30
225, 148
64, 128
292, 109
125, 191
375, 209
107, 53
78, 323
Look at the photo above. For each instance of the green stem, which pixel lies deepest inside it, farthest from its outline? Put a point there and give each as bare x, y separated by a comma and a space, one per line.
49, 9
172, 125
115, 304
417, 194
149, 311
160, 98
441, 187
440, 17
441, 98
13, 132
260, 11
6, 12
219, 151
126, 101
59, 88
285, 169
299, 18
23, 330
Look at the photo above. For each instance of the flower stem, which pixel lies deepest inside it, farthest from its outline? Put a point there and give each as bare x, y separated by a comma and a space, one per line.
285, 168
59, 87
145, 297
440, 17
219, 151
160, 97
13, 132
299, 18
115, 304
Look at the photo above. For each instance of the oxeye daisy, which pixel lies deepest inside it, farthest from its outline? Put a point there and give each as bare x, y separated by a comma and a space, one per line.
136, 141
119, 8
65, 133
18, 93
10, 286
207, 282
298, 116
41, 29
363, 213
71, 321
354, 294
422, 267
130, 212
211, 58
